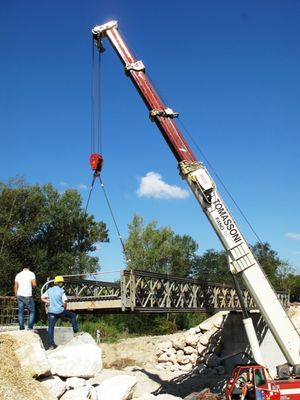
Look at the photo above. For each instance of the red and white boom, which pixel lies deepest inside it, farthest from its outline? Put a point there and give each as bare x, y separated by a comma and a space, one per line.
241, 259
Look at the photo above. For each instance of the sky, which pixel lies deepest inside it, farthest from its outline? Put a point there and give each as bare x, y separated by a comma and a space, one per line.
231, 70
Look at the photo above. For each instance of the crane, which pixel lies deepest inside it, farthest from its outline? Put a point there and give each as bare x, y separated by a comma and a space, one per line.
242, 262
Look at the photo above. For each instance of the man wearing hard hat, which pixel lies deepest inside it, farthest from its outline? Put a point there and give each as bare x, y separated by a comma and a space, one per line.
55, 299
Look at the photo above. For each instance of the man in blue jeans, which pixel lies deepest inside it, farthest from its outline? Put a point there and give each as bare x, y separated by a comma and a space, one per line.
24, 282
55, 298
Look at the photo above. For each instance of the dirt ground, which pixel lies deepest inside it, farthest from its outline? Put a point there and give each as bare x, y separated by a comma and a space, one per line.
137, 356
138, 351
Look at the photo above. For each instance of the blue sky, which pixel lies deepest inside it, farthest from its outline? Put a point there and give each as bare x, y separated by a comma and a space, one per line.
230, 68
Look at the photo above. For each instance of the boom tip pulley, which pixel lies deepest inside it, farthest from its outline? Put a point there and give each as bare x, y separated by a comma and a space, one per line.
100, 30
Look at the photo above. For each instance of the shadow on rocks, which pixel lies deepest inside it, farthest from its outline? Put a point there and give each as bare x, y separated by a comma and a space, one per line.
186, 384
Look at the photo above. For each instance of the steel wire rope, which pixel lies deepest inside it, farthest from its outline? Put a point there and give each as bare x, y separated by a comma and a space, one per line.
221, 181
90, 193
93, 112
114, 219
96, 140
93, 101
99, 125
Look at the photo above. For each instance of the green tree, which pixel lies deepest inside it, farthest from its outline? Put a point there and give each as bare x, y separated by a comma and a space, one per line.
46, 230
159, 249
212, 266
294, 287
273, 266
285, 276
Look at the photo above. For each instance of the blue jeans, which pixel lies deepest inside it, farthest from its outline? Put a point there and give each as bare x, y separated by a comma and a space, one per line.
52, 318
29, 303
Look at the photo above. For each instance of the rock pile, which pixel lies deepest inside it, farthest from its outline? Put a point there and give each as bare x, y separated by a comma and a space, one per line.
70, 372
198, 348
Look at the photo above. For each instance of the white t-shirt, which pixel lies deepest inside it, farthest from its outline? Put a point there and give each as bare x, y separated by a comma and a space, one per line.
24, 279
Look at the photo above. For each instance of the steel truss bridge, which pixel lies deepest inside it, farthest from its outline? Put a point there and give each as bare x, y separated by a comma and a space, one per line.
142, 291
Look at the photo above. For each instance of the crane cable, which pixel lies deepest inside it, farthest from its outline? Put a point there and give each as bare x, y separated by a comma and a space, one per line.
96, 104
113, 218
222, 183
96, 160
97, 175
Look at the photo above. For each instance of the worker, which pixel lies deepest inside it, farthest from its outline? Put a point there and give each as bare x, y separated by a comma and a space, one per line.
56, 303
25, 281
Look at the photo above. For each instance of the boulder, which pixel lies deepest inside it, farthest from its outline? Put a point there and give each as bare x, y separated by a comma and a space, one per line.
165, 345
179, 342
149, 396
54, 385
117, 388
31, 353
192, 340
80, 393
189, 350
73, 383
81, 358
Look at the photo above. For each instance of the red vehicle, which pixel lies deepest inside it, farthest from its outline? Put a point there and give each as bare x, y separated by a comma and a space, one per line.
241, 260
253, 381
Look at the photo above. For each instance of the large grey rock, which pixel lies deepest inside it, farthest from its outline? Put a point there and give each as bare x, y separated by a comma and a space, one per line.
189, 350
192, 340
55, 386
165, 345
81, 358
149, 396
219, 321
163, 358
73, 383
31, 353
81, 393
179, 342
117, 388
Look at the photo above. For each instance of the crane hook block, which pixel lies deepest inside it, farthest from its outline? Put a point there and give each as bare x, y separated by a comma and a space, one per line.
96, 162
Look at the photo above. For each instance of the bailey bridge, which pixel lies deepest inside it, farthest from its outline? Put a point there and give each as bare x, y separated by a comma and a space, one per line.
147, 292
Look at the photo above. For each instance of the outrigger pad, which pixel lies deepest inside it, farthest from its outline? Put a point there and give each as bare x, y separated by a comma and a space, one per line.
283, 371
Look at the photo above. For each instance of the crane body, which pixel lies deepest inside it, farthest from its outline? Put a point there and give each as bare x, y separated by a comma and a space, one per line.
242, 262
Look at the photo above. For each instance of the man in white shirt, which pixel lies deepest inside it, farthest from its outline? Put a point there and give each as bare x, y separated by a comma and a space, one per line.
24, 282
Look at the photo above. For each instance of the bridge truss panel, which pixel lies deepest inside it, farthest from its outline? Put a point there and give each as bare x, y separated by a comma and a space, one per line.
142, 291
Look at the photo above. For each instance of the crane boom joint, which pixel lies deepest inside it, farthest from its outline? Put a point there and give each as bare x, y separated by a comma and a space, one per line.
166, 113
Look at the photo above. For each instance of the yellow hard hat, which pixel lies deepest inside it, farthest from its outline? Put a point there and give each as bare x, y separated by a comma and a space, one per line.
59, 279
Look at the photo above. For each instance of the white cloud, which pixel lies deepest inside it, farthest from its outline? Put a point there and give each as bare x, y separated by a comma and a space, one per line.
152, 185
293, 235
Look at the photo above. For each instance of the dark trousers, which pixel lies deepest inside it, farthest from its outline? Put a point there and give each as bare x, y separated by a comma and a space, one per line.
29, 303
52, 318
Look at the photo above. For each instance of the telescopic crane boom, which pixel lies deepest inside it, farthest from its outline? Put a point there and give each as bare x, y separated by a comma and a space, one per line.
241, 260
